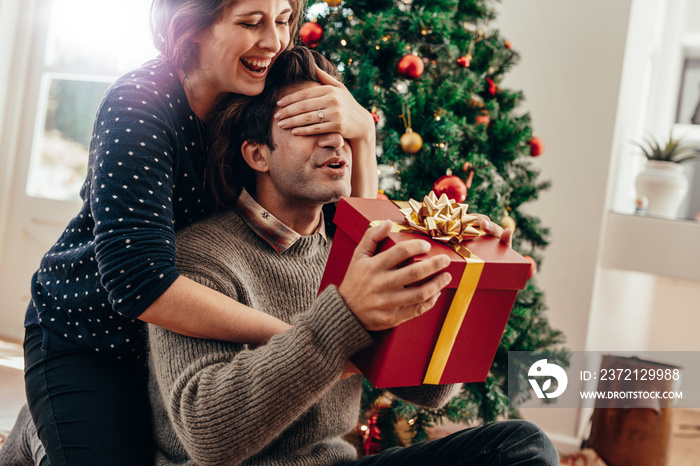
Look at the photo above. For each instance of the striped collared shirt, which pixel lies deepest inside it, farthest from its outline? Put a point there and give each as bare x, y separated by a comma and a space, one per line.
268, 227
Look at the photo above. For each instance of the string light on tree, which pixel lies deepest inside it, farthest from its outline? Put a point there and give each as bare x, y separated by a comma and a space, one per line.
411, 142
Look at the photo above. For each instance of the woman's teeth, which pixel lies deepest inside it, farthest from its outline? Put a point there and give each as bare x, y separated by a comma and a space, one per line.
256, 66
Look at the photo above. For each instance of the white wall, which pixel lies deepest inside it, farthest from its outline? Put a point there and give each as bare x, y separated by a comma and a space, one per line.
570, 71
572, 56
676, 317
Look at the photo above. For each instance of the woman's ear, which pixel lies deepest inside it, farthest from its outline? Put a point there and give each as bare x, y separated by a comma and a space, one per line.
256, 156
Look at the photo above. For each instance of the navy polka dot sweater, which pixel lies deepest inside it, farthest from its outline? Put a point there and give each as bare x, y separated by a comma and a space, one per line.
117, 256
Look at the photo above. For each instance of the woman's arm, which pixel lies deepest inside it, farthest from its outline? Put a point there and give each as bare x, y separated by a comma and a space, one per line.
341, 114
365, 180
217, 317
131, 192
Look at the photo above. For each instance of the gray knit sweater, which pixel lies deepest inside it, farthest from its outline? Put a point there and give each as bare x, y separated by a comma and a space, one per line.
281, 403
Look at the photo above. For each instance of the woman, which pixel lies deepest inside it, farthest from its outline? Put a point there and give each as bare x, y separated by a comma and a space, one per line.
113, 268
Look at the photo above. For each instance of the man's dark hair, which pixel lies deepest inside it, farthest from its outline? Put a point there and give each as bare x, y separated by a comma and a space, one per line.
237, 119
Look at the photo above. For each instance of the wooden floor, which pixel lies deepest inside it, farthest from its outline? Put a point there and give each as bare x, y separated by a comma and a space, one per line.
684, 445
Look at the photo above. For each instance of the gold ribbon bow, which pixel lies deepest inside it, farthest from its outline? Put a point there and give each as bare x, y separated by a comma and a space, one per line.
442, 219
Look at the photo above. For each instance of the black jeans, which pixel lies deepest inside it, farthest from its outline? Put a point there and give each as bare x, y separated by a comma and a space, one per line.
87, 409
498, 443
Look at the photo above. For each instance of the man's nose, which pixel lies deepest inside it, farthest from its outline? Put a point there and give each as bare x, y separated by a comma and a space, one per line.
332, 141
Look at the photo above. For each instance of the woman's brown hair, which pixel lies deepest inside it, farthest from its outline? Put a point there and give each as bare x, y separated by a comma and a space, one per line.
176, 23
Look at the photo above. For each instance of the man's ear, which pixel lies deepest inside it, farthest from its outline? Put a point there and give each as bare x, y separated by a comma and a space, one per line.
256, 156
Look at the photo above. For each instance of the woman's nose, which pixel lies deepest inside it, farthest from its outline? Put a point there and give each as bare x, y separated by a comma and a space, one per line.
270, 38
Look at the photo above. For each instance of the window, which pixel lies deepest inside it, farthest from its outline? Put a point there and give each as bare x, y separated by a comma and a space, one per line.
88, 45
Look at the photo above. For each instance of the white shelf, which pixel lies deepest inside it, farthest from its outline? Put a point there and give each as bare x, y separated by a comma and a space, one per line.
689, 133
652, 245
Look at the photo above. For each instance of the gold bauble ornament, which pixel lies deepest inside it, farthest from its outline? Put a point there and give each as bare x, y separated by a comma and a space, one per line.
333, 2
411, 142
507, 222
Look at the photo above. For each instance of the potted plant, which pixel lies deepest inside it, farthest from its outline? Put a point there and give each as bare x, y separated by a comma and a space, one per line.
662, 181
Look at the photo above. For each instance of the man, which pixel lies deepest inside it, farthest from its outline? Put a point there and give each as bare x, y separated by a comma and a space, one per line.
289, 401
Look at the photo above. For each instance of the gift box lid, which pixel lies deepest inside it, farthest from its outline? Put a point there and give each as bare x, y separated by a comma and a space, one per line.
503, 268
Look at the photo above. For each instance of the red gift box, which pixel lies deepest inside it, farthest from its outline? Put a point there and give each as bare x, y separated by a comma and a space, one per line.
401, 356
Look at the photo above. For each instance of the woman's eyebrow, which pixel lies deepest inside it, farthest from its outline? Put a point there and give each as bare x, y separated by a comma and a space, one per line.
262, 13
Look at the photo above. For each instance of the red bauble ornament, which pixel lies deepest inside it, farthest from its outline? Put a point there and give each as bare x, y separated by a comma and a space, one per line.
375, 117
536, 146
464, 61
411, 66
381, 195
311, 33
508, 44
493, 88
533, 267
452, 186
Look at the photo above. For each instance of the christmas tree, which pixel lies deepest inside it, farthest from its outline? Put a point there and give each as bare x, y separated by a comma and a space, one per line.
430, 72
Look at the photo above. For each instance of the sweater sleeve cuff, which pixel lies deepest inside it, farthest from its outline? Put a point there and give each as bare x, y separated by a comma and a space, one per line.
335, 326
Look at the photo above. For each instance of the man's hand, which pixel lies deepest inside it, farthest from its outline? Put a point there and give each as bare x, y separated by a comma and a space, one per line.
493, 229
375, 287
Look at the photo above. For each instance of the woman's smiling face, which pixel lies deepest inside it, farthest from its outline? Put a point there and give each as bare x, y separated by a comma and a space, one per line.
236, 52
